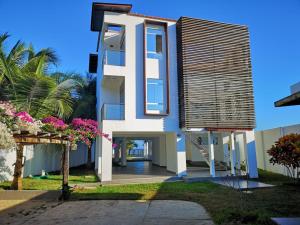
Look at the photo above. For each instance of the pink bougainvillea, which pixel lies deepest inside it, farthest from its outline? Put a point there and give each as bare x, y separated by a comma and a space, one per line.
86, 131
56, 123
24, 116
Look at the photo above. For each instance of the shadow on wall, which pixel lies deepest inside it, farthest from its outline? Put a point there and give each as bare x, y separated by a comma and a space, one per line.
5, 171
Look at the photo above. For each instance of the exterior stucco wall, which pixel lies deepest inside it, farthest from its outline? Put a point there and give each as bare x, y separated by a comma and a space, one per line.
135, 119
264, 141
40, 157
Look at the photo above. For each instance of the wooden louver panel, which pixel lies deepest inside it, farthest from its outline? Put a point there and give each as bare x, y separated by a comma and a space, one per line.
214, 72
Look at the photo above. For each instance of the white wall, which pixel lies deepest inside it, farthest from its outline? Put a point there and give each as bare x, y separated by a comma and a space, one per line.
40, 157
135, 120
264, 141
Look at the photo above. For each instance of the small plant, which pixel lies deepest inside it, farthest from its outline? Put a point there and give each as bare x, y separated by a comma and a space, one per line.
286, 152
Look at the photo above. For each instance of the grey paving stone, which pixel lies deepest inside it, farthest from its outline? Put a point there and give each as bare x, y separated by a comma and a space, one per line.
121, 212
171, 209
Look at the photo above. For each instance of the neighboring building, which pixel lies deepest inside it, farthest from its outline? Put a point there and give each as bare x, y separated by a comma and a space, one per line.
293, 99
183, 86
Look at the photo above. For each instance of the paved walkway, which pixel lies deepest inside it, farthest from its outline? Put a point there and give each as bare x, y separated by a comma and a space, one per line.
114, 212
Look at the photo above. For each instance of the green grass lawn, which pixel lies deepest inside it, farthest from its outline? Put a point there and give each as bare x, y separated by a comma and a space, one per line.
54, 180
225, 205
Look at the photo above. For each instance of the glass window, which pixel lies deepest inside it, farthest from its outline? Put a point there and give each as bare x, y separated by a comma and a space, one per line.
154, 42
155, 94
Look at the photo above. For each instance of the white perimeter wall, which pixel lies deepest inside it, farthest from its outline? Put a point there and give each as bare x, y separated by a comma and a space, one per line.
40, 157
264, 141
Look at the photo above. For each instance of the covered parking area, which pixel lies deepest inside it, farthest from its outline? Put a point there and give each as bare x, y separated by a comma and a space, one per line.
155, 160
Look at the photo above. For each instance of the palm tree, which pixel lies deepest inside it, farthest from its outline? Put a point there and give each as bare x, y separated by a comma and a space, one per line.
85, 106
25, 80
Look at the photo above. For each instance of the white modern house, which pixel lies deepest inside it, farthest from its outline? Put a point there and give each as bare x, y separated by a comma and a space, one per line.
183, 86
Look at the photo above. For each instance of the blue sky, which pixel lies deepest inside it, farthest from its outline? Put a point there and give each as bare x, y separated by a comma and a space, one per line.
274, 31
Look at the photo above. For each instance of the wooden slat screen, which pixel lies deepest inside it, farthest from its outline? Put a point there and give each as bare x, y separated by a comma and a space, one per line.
214, 72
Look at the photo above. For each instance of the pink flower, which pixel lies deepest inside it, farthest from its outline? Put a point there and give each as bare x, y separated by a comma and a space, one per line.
24, 116
57, 123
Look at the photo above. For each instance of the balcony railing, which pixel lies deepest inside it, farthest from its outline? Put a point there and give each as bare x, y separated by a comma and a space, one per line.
113, 112
113, 57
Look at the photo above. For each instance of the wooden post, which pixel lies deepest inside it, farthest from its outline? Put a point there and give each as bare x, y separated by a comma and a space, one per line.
65, 183
89, 157
17, 181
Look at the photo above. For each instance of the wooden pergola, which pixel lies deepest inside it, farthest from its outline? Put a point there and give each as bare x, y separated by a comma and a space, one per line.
23, 138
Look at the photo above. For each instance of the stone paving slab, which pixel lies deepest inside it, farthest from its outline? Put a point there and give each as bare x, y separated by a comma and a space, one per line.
29, 194
121, 212
242, 184
287, 221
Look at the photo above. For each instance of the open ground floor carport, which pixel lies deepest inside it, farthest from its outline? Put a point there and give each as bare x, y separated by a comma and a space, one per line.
169, 156
163, 156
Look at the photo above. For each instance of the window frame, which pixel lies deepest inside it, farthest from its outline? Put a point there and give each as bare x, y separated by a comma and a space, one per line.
167, 85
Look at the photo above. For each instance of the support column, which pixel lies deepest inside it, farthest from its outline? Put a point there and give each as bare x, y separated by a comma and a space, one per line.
211, 154
245, 152
232, 153
146, 149
176, 160
123, 153
17, 181
251, 154
106, 158
117, 153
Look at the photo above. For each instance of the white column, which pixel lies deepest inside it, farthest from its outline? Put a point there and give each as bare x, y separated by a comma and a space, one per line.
146, 149
175, 152
106, 158
211, 152
245, 152
251, 154
123, 153
232, 153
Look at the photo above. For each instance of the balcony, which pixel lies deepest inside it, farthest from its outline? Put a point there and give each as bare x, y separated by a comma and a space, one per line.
113, 112
114, 57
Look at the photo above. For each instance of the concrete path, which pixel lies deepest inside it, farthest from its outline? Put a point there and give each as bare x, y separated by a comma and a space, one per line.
123, 212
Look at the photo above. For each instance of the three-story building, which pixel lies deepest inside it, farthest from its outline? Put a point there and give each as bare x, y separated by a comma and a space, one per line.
183, 86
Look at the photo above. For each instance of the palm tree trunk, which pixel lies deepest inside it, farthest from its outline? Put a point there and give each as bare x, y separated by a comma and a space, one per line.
89, 158
17, 181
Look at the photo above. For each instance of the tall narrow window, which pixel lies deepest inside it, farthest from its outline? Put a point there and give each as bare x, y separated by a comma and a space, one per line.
155, 94
154, 42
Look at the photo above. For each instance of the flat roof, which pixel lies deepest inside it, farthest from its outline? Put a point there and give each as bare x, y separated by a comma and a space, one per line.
152, 17
98, 9
293, 99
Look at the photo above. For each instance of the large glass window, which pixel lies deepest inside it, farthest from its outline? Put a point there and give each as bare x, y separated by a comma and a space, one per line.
155, 94
154, 42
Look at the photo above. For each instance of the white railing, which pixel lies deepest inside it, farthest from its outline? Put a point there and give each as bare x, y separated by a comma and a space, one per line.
114, 57
113, 112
